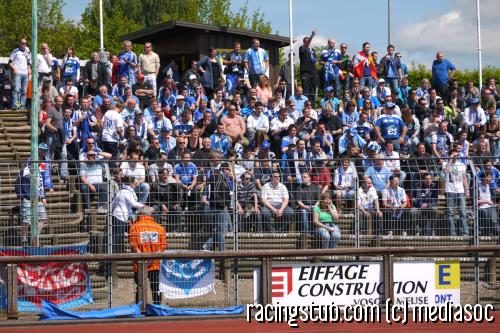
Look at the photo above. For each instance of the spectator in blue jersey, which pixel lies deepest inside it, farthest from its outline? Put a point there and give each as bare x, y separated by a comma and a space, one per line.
379, 174
118, 90
325, 139
350, 116
392, 68
404, 91
71, 66
330, 98
331, 58
256, 62
391, 127
184, 125
350, 137
127, 62
103, 93
220, 141
363, 127
442, 72
299, 99
441, 141
186, 172
211, 70
166, 98
290, 138
366, 95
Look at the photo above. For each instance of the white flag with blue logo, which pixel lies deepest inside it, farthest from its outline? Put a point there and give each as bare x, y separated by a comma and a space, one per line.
187, 278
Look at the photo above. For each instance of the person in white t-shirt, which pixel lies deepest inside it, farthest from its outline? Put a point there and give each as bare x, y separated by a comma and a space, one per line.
134, 168
68, 89
20, 65
457, 190
369, 207
44, 61
488, 211
394, 201
112, 131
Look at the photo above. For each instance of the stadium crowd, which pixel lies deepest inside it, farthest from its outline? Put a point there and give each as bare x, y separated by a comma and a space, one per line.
220, 137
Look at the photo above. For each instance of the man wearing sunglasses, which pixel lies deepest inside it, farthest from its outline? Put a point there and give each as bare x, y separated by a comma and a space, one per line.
20, 65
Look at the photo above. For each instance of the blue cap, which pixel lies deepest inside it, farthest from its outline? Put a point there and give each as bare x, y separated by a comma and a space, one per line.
329, 89
390, 105
474, 100
43, 146
373, 146
266, 144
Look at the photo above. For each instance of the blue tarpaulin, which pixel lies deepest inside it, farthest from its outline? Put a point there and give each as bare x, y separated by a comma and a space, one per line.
160, 310
51, 311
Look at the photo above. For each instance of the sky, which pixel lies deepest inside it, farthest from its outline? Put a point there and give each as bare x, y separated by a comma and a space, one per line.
418, 28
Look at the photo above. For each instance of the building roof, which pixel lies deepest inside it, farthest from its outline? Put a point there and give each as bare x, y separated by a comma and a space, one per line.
144, 35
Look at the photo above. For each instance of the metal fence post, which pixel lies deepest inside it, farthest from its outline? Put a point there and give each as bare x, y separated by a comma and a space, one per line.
109, 245
388, 277
475, 210
142, 285
266, 278
357, 241
235, 232
12, 291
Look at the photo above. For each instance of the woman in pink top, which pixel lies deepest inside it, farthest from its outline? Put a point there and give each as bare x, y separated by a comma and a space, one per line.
264, 91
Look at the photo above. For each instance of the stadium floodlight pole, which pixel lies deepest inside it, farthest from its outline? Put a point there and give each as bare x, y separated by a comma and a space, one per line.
479, 48
292, 66
101, 26
34, 166
388, 22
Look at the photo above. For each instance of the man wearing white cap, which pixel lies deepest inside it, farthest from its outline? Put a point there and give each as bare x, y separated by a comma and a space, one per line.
149, 65
380, 91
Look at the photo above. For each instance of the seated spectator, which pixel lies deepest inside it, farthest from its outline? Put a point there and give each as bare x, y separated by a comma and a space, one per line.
392, 161
495, 178
99, 99
92, 181
381, 91
129, 95
324, 217
118, 90
413, 125
394, 201
248, 205
391, 127
289, 139
207, 125
325, 140
442, 141
167, 142
307, 124
329, 98
279, 129
257, 121
368, 206
350, 138
68, 89
220, 141
379, 174
184, 125
363, 127
488, 210
234, 125
350, 116
276, 215
143, 90
123, 204
134, 168
143, 130
176, 153
186, 175
344, 183
425, 208
474, 118
158, 164
307, 197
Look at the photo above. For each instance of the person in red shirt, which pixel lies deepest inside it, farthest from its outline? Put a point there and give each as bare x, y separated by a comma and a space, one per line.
147, 236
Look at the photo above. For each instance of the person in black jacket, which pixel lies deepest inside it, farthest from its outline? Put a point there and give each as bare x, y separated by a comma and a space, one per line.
166, 198
425, 206
217, 198
95, 70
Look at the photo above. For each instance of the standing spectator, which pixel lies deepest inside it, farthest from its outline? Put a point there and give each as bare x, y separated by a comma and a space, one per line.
44, 63
331, 58
488, 210
392, 68
425, 208
92, 181
128, 62
112, 132
69, 143
95, 70
147, 236
442, 72
457, 190
68, 89
149, 66
20, 64
24, 193
211, 70
166, 198
369, 207
324, 216
284, 82
123, 204
308, 72
394, 201
71, 66
234, 67
364, 67
54, 128
275, 199
308, 195
346, 69
256, 62
264, 92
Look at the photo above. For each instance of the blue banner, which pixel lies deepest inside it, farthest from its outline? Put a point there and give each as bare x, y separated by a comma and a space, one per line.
161, 310
53, 312
187, 278
65, 284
